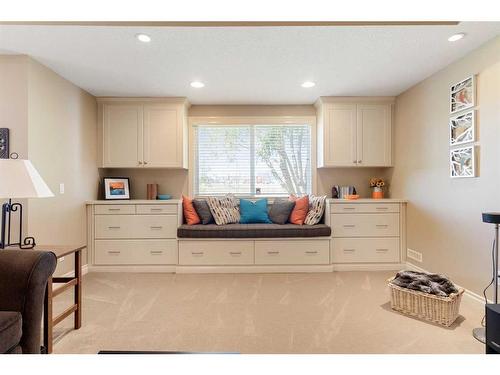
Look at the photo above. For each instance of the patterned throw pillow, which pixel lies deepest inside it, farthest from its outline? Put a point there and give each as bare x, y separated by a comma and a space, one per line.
316, 209
225, 209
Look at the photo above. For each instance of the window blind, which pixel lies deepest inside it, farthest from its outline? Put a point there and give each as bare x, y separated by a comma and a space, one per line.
252, 159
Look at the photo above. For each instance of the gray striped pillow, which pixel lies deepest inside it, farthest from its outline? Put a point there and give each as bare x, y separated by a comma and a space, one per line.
316, 209
225, 210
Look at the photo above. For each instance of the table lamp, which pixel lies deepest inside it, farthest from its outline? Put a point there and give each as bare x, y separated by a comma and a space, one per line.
18, 179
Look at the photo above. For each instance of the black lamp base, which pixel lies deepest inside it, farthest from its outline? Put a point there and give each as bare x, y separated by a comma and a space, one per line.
27, 242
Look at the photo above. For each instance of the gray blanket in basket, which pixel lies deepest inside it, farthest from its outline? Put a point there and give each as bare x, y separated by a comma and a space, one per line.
430, 283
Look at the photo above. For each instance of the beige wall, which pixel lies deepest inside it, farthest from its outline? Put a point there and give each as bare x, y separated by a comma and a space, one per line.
444, 215
62, 146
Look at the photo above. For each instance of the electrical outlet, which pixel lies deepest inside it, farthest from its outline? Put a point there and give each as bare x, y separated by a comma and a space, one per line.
61, 188
415, 255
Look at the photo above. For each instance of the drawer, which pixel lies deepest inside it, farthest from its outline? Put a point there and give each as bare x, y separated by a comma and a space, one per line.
114, 209
135, 226
365, 225
365, 250
114, 226
130, 252
346, 208
211, 253
155, 226
292, 252
143, 209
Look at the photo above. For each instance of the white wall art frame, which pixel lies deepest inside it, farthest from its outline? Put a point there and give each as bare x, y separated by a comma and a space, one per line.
462, 128
462, 162
463, 95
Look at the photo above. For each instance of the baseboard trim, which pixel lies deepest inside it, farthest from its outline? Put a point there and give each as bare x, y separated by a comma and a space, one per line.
474, 296
134, 269
254, 269
368, 266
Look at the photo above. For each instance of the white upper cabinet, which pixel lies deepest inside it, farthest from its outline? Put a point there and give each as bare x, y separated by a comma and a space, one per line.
143, 133
354, 132
122, 129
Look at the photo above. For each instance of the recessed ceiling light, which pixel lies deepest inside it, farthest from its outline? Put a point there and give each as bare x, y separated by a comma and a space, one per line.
456, 37
308, 84
197, 84
143, 38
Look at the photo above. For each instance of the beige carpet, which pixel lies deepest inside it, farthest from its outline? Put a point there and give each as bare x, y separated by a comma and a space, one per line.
341, 312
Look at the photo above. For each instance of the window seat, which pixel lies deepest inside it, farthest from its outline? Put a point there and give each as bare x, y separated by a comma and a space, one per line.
253, 231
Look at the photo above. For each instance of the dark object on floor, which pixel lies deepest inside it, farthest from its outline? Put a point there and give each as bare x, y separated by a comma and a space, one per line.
23, 279
429, 283
493, 329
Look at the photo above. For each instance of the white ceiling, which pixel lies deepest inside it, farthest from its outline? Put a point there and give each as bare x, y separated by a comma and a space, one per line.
245, 65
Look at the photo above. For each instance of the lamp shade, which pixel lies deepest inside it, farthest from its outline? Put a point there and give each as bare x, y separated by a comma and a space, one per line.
19, 179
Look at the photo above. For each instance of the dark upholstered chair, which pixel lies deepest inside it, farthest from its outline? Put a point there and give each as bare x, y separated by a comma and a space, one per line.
23, 278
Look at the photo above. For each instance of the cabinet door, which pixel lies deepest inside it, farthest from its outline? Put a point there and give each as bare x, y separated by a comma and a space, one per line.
340, 135
163, 138
374, 135
122, 135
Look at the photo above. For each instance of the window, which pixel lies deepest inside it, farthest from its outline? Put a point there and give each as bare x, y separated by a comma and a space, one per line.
252, 159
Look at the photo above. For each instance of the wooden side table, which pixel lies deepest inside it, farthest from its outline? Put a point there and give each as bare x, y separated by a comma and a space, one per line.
76, 281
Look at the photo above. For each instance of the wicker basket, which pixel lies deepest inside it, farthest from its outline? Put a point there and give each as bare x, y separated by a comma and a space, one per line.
441, 310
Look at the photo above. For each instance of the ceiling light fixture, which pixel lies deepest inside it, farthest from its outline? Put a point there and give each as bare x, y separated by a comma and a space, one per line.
456, 37
197, 84
145, 38
308, 84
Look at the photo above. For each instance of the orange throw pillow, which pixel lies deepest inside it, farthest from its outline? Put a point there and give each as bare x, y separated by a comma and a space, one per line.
300, 210
190, 214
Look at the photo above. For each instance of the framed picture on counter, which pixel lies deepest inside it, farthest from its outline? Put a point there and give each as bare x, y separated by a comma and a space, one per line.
116, 188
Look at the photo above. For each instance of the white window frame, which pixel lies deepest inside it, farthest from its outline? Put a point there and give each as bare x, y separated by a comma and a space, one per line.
250, 120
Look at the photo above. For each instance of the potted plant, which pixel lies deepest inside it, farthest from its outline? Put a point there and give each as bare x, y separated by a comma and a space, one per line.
377, 184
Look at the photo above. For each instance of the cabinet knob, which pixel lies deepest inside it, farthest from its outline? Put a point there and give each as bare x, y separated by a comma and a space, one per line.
145, 162
140, 162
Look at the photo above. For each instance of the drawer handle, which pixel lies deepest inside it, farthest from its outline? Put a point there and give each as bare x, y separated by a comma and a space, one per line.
381, 250
156, 227
235, 253
381, 225
114, 227
349, 226
197, 253
311, 252
156, 209
349, 250
114, 209
156, 252
382, 208
273, 252
348, 208
113, 252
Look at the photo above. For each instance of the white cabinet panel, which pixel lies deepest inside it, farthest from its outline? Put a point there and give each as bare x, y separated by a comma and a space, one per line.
135, 252
122, 135
296, 252
114, 209
135, 226
365, 225
348, 208
374, 135
163, 146
365, 250
340, 135
212, 253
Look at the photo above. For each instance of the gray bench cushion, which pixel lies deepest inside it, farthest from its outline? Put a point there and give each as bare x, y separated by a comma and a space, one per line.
252, 231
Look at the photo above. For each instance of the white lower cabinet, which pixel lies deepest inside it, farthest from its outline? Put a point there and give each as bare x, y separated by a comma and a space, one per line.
292, 252
135, 252
216, 253
368, 232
